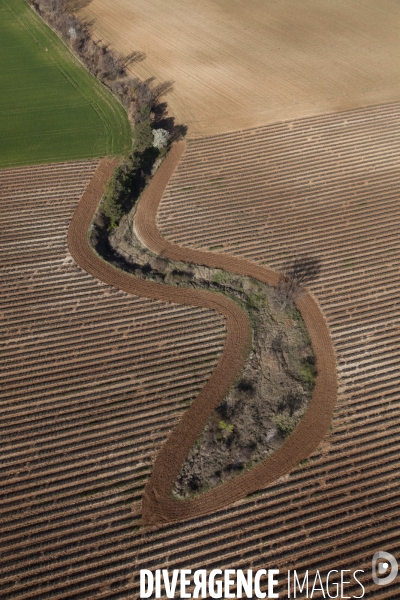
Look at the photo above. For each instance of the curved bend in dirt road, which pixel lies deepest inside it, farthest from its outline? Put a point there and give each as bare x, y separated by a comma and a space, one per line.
158, 504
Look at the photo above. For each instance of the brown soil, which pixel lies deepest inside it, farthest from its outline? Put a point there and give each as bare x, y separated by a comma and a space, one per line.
240, 64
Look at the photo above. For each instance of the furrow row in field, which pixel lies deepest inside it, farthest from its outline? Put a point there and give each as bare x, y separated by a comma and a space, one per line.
87, 347
94, 380
228, 551
335, 509
310, 517
380, 441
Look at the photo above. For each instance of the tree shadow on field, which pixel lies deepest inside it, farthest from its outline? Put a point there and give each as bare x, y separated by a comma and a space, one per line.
77, 5
176, 132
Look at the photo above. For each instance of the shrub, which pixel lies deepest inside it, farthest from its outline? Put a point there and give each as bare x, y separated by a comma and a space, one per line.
225, 430
308, 372
285, 423
292, 401
246, 386
160, 138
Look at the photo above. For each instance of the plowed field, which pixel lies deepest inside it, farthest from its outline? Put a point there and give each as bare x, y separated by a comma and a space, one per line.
243, 63
92, 381
330, 186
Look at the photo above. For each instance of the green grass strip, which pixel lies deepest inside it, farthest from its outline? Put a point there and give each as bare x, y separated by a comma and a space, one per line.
51, 108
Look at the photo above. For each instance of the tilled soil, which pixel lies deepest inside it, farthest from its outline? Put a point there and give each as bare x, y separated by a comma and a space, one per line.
244, 63
92, 381
275, 386
158, 503
68, 529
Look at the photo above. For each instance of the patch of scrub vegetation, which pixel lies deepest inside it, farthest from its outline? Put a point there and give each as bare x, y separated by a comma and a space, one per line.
267, 402
52, 109
217, 181
221, 276
272, 393
348, 263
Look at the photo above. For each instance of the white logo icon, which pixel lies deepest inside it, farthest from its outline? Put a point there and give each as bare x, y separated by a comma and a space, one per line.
382, 562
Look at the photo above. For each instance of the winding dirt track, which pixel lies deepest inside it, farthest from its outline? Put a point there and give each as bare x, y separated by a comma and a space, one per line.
157, 502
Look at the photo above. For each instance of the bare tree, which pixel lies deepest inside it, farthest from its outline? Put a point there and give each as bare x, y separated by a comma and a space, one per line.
161, 89
297, 274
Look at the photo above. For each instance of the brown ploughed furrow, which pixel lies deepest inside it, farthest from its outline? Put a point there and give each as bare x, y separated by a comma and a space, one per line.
327, 185
124, 367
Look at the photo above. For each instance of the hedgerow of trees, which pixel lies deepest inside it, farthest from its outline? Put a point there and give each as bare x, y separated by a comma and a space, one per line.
108, 66
152, 129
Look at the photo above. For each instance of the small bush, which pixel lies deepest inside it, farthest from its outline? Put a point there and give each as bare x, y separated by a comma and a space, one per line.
308, 372
285, 423
160, 138
225, 430
246, 386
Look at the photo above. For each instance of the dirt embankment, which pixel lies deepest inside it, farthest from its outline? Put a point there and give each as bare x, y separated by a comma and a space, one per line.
158, 504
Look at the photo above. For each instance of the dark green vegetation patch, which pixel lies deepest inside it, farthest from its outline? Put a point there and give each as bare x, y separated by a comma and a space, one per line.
51, 108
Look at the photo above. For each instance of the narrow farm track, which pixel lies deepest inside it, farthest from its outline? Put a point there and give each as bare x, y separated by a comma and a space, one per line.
92, 381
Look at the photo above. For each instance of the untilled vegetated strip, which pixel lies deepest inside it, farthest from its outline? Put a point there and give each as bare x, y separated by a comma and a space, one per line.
158, 504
